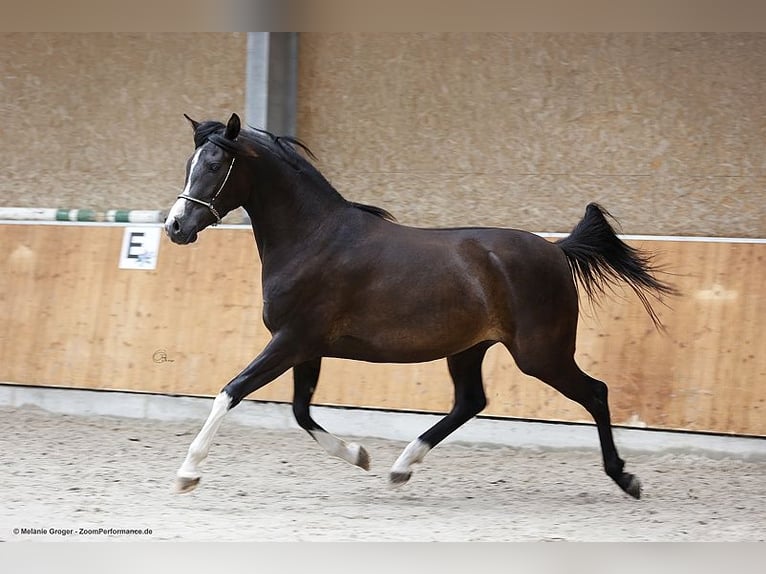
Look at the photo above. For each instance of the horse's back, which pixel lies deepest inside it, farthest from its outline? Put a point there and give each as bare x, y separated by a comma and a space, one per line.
497, 279
518, 256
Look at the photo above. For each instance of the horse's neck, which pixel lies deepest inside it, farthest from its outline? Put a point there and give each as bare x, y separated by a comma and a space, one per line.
289, 218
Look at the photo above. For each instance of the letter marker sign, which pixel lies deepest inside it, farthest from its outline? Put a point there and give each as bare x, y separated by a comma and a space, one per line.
139, 248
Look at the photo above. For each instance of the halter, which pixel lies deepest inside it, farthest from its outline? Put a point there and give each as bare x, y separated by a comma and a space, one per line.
209, 204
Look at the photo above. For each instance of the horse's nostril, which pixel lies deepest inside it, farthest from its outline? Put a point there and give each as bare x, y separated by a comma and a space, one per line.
175, 226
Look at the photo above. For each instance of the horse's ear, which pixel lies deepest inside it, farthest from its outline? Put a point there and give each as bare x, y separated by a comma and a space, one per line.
192, 122
232, 128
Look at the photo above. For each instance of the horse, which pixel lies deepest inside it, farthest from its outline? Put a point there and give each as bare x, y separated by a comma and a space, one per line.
346, 280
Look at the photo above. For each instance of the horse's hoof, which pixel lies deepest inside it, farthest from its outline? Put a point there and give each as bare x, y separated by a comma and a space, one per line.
632, 486
184, 484
363, 458
396, 479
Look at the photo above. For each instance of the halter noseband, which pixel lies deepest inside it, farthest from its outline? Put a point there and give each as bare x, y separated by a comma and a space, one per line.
209, 204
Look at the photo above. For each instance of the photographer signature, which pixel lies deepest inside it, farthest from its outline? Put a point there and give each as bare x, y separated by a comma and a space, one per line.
161, 356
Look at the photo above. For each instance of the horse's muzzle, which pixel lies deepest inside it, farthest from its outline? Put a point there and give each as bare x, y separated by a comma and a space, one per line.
176, 232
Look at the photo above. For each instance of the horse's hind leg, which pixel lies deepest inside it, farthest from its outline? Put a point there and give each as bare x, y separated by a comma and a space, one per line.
598, 406
305, 377
470, 400
592, 394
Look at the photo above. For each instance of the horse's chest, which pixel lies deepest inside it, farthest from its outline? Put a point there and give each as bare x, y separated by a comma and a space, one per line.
276, 310
286, 303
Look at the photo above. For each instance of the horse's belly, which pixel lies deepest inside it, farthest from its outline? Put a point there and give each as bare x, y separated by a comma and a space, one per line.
412, 341
361, 350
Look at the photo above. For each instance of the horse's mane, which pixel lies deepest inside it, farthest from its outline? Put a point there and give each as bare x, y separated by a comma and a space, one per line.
253, 141
204, 130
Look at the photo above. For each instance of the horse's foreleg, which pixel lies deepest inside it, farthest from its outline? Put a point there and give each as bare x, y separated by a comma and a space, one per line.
274, 360
188, 474
305, 377
470, 400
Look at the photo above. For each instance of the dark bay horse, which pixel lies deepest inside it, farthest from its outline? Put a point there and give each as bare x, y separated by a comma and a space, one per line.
342, 279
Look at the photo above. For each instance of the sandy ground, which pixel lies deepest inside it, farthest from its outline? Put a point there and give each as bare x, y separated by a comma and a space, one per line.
63, 473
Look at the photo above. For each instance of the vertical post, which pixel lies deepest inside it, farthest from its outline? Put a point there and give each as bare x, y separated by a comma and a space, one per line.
257, 79
272, 81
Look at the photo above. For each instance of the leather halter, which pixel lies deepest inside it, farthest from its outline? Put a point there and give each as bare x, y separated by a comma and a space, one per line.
209, 204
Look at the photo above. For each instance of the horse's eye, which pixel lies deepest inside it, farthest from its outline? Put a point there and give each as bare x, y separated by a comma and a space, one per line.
214, 166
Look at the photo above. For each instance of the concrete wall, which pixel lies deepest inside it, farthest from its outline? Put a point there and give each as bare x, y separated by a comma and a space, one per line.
666, 130
96, 120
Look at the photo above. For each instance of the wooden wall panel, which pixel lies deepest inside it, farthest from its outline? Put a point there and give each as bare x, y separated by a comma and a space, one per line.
706, 372
70, 317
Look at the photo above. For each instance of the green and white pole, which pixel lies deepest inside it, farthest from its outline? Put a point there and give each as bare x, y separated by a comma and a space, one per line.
47, 214
134, 216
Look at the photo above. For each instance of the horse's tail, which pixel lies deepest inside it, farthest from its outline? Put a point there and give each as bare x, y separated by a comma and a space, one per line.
599, 259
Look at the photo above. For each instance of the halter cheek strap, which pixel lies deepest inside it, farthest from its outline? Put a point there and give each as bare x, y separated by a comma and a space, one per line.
209, 204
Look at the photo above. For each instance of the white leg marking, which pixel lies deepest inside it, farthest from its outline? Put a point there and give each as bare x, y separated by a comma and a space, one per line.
414, 453
350, 452
201, 444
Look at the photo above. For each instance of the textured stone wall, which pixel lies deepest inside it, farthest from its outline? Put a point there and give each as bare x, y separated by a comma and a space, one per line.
666, 130
96, 120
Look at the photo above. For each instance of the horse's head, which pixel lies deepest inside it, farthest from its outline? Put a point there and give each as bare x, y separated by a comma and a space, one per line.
213, 185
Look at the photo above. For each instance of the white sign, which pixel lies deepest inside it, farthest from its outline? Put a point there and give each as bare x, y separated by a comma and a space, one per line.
139, 247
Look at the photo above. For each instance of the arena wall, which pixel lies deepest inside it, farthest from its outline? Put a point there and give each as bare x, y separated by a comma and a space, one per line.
194, 322
520, 130
96, 120
665, 130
